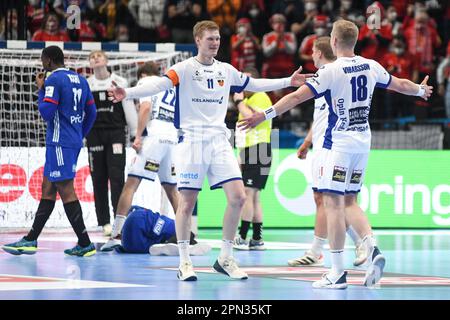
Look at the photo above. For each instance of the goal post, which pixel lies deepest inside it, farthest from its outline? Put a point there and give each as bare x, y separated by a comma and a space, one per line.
22, 130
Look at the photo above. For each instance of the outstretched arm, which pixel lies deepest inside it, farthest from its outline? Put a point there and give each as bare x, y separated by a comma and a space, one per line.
116, 93
410, 88
286, 103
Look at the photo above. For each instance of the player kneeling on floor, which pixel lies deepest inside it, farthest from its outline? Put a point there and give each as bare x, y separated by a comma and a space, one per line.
145, 231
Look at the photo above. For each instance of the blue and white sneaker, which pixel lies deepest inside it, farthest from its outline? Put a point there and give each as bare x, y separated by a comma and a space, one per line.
256, 245
230, 268
327, 283
21, 247
81, 251
375, 269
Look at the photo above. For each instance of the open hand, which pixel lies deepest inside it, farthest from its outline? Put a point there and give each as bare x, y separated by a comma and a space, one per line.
298, 78
116, 93
428, 89
251, 121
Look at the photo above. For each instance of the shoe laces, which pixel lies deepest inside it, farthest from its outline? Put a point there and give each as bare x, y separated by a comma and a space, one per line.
230, 263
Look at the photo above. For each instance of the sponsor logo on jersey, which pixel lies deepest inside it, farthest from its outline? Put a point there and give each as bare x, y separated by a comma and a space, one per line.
96, 148
207, 100
49, 91
192, 176
158, 226
356, 176
73, 78
172, 171
197, 76
76, 119
339, 174
151, 165
55, 174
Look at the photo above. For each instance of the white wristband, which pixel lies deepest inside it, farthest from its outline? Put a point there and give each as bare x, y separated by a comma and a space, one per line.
270, 113
421, 91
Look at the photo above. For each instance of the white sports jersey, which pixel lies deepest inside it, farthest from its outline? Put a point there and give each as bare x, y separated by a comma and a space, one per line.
163, 109
202, 93
320, 122
347, 85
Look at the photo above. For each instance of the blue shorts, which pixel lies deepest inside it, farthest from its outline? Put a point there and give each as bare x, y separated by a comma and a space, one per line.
144, 228
60, 163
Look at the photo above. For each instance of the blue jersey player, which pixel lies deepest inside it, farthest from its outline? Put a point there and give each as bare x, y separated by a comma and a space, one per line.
145, 231
67, 105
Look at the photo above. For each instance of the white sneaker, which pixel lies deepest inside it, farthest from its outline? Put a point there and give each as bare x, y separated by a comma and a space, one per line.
107, 230
361, 254
375, 269
199, 249
308, 259
186, 272
327, 283
229, 267
110, 245
164, 249
240, 244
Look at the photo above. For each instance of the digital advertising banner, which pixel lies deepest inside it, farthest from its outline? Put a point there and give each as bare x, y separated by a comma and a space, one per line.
402, 189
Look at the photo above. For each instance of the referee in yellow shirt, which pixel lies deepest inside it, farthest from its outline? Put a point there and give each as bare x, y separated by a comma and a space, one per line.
255, 158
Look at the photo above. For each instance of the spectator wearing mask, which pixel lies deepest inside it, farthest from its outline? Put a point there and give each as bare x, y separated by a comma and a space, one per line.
244, 46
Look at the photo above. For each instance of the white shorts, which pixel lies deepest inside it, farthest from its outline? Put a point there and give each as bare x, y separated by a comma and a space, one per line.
339, 172
155, 158
211, 156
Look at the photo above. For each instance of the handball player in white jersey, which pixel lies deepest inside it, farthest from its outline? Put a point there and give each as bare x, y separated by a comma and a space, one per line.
202, 86
347, 86
322, 53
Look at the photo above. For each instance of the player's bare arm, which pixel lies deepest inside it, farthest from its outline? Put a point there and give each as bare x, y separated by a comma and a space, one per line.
144, 112
303, 149
410, 88
117, 94
286, 103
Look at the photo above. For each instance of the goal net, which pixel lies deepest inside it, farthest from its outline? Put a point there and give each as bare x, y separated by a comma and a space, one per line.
22, 135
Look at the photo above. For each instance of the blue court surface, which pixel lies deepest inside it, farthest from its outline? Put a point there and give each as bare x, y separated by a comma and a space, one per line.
417, 268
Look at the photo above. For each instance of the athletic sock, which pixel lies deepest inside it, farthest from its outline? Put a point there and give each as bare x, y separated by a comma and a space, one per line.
75, 216
43, 212
337, 263
183, 249
226, 250
245, 225
317, 246
257, 230
355, 237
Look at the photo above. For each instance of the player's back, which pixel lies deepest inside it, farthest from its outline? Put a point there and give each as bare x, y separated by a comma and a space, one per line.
70, 91
347, 85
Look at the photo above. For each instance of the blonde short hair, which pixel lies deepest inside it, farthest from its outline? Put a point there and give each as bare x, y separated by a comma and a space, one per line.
346, 33
323, 44
204, 25
98, 51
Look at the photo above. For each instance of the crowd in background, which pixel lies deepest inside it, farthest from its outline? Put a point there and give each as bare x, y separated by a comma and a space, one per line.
409, 38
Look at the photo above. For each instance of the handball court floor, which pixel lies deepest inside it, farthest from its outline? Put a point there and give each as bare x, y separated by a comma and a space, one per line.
417, 268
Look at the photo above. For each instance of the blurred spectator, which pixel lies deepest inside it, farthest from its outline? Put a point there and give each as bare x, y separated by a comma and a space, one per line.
182, 15
321, 28
244, 46
114, 13
224, 13
89, 30
292, 10
391, 19
306, 27
122, 33
443, 75
422, 40
399, 63
149, 19
279, 48
374, 40
50, 30
61, 6
256, 11
36, 10
348, 9
11, 31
